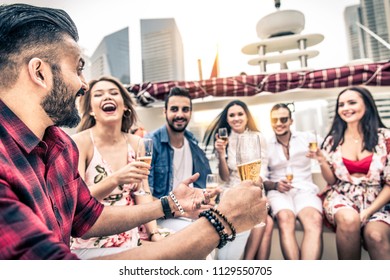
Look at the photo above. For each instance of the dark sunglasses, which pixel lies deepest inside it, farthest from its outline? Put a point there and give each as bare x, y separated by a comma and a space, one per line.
282, 120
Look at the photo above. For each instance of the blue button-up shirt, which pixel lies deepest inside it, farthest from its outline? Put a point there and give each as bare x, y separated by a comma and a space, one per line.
161, 173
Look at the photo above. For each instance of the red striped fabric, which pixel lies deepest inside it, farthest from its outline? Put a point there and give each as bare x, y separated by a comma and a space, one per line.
373, 74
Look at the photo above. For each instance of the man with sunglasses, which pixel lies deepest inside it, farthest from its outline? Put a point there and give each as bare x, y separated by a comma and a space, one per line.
293, 198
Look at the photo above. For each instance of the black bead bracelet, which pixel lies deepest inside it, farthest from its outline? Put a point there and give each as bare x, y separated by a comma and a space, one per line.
219, 227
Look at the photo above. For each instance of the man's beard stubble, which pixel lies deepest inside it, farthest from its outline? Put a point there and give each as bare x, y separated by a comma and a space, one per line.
60, 104
171, 125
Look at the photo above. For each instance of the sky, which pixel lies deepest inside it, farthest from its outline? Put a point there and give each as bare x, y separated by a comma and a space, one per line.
205, 27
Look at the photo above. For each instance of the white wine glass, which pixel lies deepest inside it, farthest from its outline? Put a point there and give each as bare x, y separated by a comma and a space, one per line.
212, 184
289, 173
313, 146
144, 153
313, 141
248, 159
223, 134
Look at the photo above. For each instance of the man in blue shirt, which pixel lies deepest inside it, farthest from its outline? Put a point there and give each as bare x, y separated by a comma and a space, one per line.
176, 154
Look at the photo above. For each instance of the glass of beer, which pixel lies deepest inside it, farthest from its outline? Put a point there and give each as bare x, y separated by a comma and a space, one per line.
223, 134
212, 184
144, 153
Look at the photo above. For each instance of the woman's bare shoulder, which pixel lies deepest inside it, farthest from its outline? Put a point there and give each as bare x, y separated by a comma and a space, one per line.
82, 139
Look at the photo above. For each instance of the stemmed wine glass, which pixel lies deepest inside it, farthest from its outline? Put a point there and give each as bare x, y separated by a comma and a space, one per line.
248, 158
313, 146
144, 153
212, 184
223, 134
313, 141
289, 173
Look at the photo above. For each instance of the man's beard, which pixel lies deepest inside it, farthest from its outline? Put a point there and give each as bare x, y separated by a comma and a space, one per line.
60, 104
175, 129
282, 134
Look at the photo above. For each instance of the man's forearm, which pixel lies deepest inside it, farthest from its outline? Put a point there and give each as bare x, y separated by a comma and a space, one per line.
193, 242
114, 220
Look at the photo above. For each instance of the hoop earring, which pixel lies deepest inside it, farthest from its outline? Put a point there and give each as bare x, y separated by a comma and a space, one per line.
127, 113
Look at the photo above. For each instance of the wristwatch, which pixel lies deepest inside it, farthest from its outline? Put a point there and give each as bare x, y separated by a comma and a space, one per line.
166, 208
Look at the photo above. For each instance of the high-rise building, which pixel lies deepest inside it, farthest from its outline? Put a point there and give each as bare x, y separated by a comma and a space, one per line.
374, 15
162, 50
111, 57
355, 35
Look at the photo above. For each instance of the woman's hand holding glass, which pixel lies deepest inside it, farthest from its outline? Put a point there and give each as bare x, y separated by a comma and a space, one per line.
221, 142
144, 154
132, 173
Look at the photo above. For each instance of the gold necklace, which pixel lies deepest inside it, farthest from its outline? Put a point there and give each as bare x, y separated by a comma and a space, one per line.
356, 140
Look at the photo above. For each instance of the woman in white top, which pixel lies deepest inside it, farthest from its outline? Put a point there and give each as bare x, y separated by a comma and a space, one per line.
237, 119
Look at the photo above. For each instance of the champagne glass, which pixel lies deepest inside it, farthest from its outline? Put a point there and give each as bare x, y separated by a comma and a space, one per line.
212, 184
144, 153
313, 146
223, 134
313, 141
248, 159
289, 174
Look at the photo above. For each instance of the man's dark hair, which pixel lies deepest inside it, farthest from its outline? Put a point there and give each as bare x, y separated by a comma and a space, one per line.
281, 105
28, 31
178, 91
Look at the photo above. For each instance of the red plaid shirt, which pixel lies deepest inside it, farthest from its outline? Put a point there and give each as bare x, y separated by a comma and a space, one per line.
43, 200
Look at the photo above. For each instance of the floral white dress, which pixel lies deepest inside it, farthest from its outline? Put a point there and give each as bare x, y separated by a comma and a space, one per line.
97, 170
353, 192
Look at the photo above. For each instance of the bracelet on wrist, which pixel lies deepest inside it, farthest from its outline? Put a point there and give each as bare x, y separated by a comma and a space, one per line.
276, 185
232, 228
172, 195
218, 226
166, 208
153, 233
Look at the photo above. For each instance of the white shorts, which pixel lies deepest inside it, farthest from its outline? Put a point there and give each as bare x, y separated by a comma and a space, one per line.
294, 200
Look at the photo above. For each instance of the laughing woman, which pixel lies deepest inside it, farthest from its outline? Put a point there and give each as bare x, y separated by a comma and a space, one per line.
355, 162
107, 162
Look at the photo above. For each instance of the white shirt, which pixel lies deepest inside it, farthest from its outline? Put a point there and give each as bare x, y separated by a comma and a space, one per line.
300, 164
182, 163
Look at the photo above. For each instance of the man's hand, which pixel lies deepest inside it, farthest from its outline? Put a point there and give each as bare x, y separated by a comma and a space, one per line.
244, 206
284, 186
193, 200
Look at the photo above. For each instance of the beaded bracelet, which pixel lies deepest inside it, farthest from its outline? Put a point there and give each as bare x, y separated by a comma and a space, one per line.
218, 226
172, 195
232, 228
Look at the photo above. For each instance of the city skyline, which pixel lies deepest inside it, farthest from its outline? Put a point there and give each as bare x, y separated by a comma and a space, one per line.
206, 26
